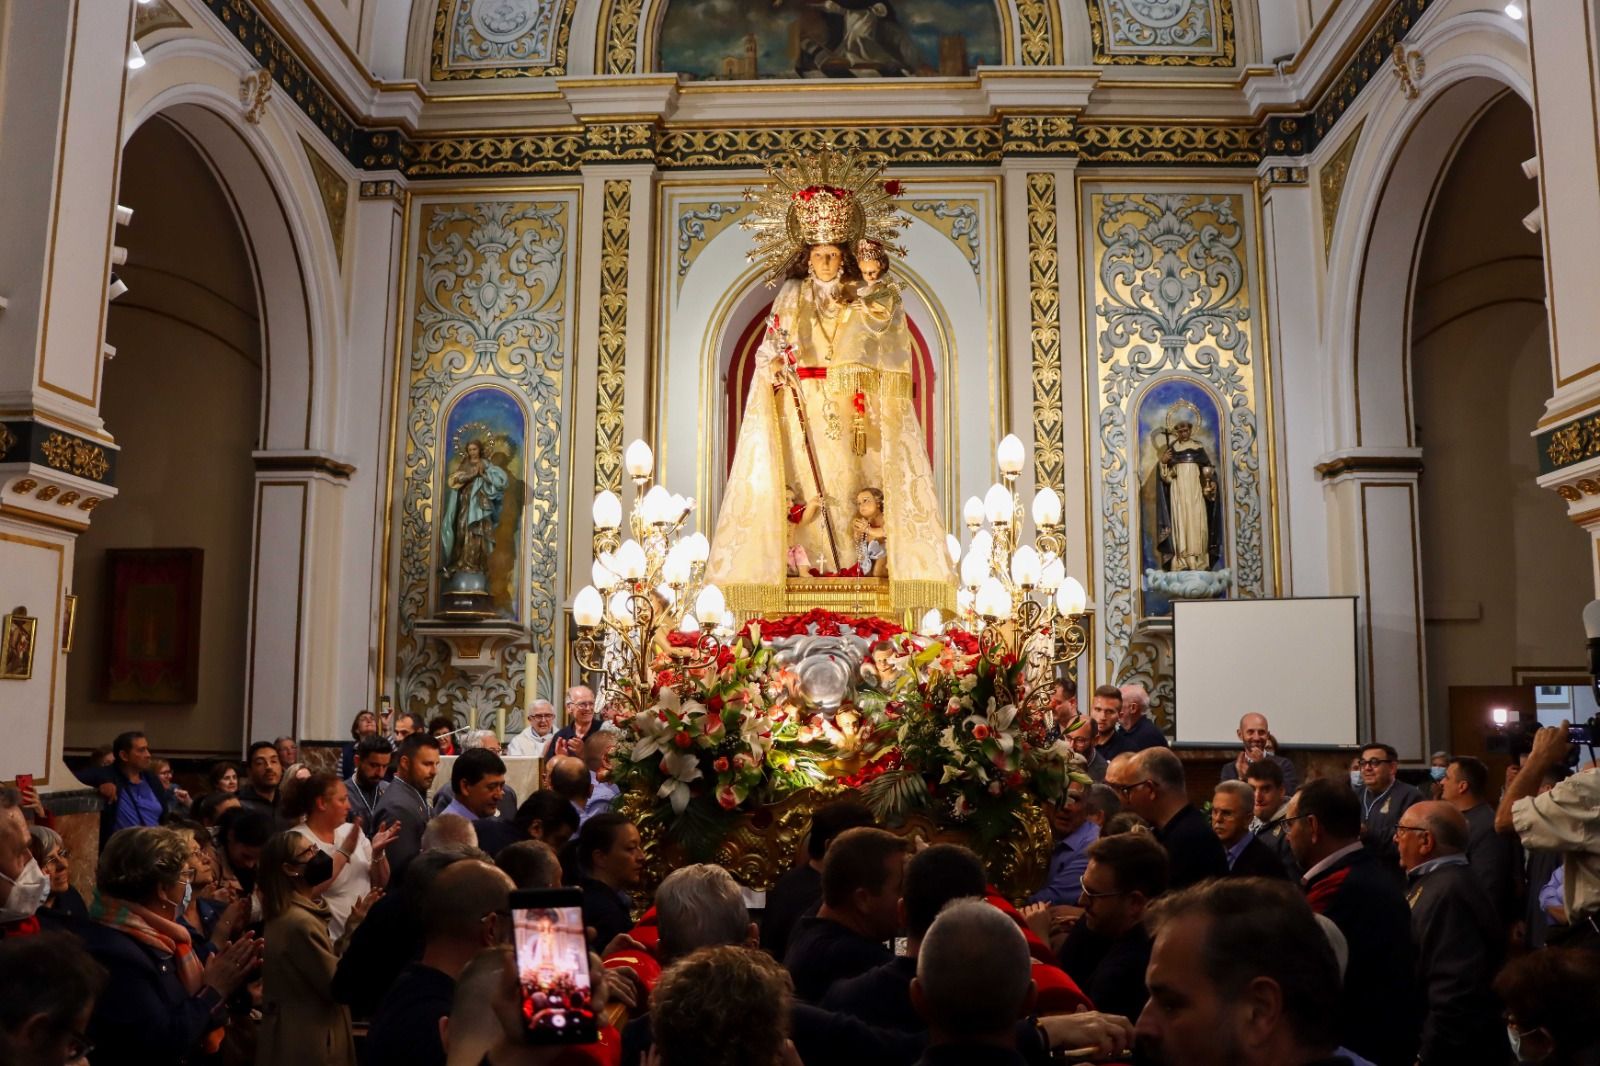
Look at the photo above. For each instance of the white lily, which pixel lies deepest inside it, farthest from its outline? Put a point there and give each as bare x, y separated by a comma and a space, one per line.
652, 735
681, 767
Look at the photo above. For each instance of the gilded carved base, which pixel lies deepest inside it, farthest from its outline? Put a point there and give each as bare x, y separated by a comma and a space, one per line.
767, 842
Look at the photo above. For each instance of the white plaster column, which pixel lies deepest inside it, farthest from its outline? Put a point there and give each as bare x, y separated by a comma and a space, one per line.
1562, 40
1372, 518
365, 441
62, 74
1292, 244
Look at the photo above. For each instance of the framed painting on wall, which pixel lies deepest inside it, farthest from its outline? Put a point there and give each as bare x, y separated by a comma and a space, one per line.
18, 634
153, 625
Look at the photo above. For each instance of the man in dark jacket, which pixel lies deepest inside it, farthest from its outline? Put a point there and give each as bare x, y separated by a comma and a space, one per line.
1458, 937
1491, 856
1384, 798
1108, 950
1232, 806
1151, 784
1342, 880
798, 893
405, 800
862, 879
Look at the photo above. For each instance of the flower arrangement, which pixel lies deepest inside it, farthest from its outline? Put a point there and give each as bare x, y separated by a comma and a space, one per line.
934, 725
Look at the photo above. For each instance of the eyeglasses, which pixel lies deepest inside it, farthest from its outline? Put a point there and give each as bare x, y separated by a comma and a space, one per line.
1373, 764
1291, 819
1091, 894
1412, 829
1127, 790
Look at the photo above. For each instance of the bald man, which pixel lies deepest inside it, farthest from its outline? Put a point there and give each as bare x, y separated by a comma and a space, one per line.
1457, 935
1254, 733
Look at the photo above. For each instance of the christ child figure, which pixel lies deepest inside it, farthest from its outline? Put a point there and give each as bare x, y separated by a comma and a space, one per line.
799, 514
870, 535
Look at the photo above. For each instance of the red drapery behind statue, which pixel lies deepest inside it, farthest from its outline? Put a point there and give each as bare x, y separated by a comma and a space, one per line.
743, 365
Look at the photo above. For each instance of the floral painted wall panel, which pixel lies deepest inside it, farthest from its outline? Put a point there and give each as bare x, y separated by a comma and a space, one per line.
491, 304
1163, 32
500, 38
1172, 287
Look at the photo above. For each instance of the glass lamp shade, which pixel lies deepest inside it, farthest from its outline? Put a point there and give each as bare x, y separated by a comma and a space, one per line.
993, 601
698, 547
932, 623
675, 571
997, 505
709, 604
1071, 598
953, 546
689, 624
639, 459
628, 561
1011, 455
656, 507
983, 545
620, 607
604, 577
963, 600
1046, 507
728, 624
972, 512
974, 568
587, 607
668, 595
1026, 567
607, 510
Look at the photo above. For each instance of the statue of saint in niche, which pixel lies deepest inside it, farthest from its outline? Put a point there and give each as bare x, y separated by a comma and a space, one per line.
1187, 513
477, 488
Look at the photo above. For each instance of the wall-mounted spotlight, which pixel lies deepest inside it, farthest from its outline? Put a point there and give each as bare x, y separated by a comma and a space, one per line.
1514, 11
117, 287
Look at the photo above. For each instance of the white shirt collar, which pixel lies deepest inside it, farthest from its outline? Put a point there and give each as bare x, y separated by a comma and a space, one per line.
1329, 861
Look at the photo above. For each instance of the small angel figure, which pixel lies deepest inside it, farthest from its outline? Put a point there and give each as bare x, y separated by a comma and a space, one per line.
799, 514
878, 670
870, 535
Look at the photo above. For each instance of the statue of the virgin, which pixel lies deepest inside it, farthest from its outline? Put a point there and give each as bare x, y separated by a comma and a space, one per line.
830, 467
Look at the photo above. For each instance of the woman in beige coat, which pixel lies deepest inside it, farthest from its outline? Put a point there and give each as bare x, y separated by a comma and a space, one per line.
301, 1023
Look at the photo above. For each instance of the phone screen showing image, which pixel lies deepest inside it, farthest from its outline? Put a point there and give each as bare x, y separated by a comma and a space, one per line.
553, 967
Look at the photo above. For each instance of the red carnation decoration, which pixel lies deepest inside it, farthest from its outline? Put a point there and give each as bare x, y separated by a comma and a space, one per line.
682, 740
721, 765
893, 188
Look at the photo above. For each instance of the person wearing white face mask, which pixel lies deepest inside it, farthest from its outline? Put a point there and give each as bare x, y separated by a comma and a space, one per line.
23, 885
1551, 998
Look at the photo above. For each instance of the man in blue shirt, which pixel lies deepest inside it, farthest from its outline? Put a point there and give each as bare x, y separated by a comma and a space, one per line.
1075, 824
132, 793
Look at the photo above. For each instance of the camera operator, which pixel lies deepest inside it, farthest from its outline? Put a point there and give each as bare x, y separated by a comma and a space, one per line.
1565, 819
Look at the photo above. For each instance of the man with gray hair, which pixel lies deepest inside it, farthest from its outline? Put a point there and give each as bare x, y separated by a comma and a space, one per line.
701, 906
974, 982
1151, 784
1135, 731
1232, 806
449, 830
1457, 936
541, 730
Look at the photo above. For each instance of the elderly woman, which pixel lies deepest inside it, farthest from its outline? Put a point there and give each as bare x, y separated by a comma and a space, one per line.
224, 777
161, 1003
301, 1022
50, 852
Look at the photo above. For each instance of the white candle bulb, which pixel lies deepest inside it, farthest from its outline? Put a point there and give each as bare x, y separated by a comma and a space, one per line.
993, 601
699, 547
604, 577
657, 506
974, 568
620, 607
607, 510
639, 459
953, 546
675, 571
587, 607
1071, 598
1053, 573
710, 604
997, 504
1026, 567
1011, 454
1046, 507
932, 623
690, 624
628, 561
972, 512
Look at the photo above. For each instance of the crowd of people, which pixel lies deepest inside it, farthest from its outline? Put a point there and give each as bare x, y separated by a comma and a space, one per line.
291, 914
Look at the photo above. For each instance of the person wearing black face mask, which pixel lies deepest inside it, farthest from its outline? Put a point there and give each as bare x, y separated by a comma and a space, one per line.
301, 1022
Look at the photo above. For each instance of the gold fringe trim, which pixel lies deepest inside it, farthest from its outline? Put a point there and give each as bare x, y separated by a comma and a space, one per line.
919, 596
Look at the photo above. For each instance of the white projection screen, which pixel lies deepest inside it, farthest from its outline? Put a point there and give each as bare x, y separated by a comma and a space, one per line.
1232, 655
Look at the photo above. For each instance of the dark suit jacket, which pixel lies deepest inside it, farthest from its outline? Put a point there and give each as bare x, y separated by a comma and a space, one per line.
1458, 937
797, 894
1377, 830
1111, 973
1291, 776
822, 951
1492, 860
401, 803
1193, 851
497, 834
1378, 1019
1258, 860
144, 1015
880, 997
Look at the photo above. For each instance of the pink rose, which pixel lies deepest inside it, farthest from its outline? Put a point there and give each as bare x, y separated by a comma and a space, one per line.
726, 799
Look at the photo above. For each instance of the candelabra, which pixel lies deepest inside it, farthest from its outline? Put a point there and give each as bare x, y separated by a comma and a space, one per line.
643, 591
1016, 595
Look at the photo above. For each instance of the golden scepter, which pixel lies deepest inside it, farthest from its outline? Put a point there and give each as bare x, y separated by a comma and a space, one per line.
788, 379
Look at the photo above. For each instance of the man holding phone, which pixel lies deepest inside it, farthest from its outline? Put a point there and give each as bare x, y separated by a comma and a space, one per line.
1564, 819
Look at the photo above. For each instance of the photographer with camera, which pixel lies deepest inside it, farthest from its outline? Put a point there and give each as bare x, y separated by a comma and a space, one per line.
1564, 819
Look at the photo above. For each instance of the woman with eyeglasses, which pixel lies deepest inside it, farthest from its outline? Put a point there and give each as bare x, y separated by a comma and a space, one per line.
161, 1004
50, 852
301, 1022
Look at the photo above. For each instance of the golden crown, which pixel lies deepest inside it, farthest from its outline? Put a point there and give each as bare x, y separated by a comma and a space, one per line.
823, 197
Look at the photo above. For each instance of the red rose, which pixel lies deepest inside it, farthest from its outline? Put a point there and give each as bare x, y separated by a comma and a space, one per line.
726, 799
721, 765
714, 703
893, 188
980, 731
682, 740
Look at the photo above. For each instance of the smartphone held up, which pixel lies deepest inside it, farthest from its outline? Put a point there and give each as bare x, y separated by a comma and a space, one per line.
553, 966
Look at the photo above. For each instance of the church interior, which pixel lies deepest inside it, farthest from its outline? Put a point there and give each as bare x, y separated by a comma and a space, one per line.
343, 344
